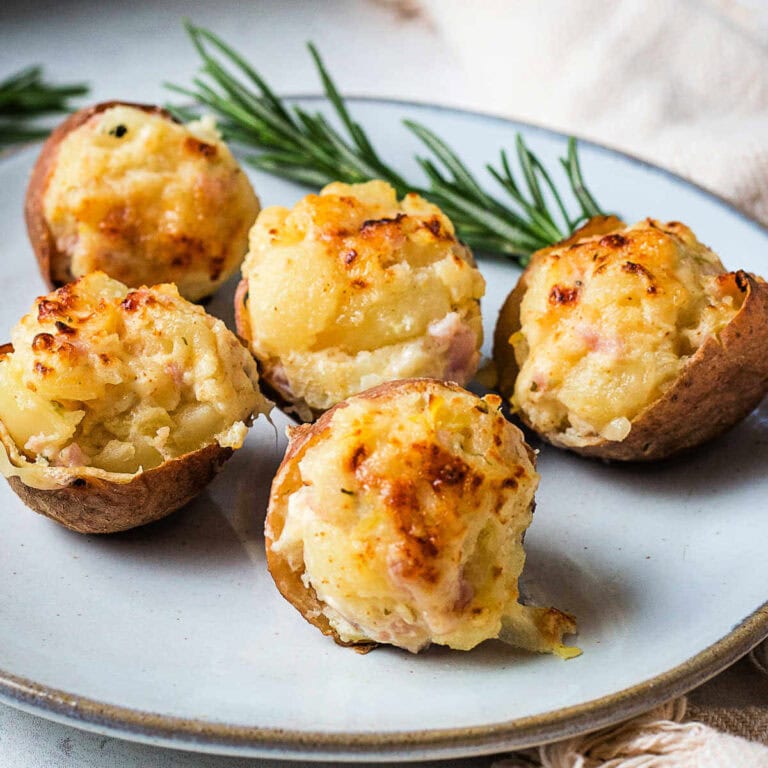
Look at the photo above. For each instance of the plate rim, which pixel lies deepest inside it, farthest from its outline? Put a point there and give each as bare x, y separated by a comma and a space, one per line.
246, 740
243, 740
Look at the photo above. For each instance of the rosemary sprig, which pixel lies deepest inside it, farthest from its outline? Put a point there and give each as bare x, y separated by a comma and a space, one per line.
307, 148
25, 96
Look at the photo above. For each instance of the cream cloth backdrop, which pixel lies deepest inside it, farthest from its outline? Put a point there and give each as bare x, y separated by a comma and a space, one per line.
681, 83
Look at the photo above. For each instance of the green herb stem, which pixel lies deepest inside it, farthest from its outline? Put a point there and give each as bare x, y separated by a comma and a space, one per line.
24, 97
307, 148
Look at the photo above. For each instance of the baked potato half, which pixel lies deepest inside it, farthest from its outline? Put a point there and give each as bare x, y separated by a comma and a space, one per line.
126, 189
353, 287
632, 343
398, 517
118, 406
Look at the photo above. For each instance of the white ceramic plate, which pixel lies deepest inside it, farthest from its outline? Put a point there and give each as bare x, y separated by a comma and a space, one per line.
174, 634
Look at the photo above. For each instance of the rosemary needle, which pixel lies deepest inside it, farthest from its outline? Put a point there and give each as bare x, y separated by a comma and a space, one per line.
25, 96
307, 148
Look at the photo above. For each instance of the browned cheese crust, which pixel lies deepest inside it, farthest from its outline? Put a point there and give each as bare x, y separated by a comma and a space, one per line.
551, 623
356, 255
286, 481
508, 321
92, 504
724, 380
52, 382
54, 265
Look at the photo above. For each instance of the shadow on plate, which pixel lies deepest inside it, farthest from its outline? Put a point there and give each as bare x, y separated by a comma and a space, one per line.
197, 536
216, 530
736, 458
604, 607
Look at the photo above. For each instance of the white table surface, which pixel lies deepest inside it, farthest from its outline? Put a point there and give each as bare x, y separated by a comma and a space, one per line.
126, 51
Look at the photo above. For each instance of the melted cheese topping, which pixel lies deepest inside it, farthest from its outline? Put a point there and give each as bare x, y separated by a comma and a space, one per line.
353, 287
609, 322
408, 518
148, 200
123, 380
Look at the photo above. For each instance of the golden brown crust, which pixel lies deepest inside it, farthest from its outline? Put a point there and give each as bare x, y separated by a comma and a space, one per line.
91, 504
286, 481
508, 321
54, 264
722, 383
597, 225
360, 252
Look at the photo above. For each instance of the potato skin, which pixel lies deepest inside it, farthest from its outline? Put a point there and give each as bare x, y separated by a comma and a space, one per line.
723, 381
721, 384
172, 205
551, 623
92, 504
357, 254
287, 580
49, 259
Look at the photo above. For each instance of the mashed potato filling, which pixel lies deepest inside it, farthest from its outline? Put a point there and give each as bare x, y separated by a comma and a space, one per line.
619, 314
148, 200
353, 287
407, 520
123, 380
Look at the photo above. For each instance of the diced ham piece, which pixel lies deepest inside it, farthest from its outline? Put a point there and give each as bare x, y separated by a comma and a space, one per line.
454, 335
176, 372
279, 380
597, 342
465, 594
72, 456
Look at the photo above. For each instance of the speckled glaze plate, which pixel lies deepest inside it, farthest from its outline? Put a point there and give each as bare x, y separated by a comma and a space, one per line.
174, 634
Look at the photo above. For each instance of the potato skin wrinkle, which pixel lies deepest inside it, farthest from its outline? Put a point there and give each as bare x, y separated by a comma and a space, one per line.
398, 517
632, 343
126, 189
118, 406
353, 287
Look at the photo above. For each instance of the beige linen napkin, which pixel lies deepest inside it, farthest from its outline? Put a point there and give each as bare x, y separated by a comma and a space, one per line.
658, 739
677, 734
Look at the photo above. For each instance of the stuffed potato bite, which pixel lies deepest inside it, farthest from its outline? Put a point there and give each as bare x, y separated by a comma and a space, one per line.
632, 343
126, 189
353, 287
118, 406
399, 516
